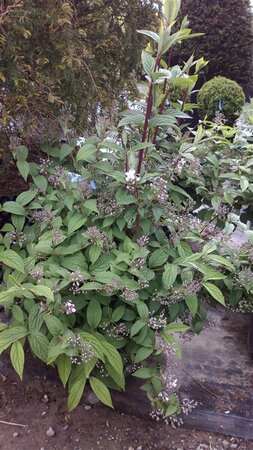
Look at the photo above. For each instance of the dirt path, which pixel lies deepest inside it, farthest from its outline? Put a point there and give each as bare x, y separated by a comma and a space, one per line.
39, 402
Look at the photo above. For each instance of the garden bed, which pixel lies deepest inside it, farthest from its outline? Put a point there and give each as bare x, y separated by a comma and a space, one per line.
217, 373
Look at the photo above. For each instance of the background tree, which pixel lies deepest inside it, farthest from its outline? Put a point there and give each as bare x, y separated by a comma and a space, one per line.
227, 43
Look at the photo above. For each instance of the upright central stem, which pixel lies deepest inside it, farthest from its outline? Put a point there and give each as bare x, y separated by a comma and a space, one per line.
143, 139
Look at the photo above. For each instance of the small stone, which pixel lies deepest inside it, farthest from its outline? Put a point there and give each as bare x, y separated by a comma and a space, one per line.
42, 448
139, 447
225, 444
65, 427
43, 413
50, 432
15, 434
45, 398
87, 407
233, 445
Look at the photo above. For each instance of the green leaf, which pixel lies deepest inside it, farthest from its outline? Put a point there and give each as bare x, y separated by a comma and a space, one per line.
96, 344
42, 291
18, 222
116, 376
23, 168
87, 153
64, 368
26, 197
75, 394
215, 292
11, 335
192, 303
14, 208
169, 275
17, 314
136, 327
150, 34
221, 260
3, 326
118, 313
94, 313
21, 152
39, 345
144, 372
112, 356
17, 358
94, 252
91, 205
124, 198
7, 297
143, 353
244, 184
148, 63
176, 327
41, 182
102, 264
142, 310
53, 324
65, 150
76, 222
12, 260
158, 258
35, 319
101, 391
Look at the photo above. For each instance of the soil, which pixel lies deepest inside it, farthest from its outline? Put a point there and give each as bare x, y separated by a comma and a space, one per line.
39, 402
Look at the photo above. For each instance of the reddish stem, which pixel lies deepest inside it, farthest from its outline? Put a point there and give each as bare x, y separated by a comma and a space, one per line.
143, 139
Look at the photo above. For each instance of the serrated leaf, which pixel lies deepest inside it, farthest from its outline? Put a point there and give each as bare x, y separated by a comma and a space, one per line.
118, 313
64, 368
158, 258
101, 391
215, 292
221, 260
87, 153
143, 353
192, 303
91, 205
94, 313
142, 310
112, 356
148, 63
11, 335
116, 376
76, 222
17, 314
17, 358
96, 344
53, 324
136, 327
23, 168
26, 197
35, 319
94, 252
65, 150
124, 198
176, 327
39, 345
150, 34
12, 260
144, 372
169, 275
75, 394
14, 208
42, 291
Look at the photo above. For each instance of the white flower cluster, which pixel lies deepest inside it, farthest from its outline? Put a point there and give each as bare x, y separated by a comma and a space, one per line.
131, 176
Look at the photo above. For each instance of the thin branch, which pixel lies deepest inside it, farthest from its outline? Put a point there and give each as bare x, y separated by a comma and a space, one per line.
13, 424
